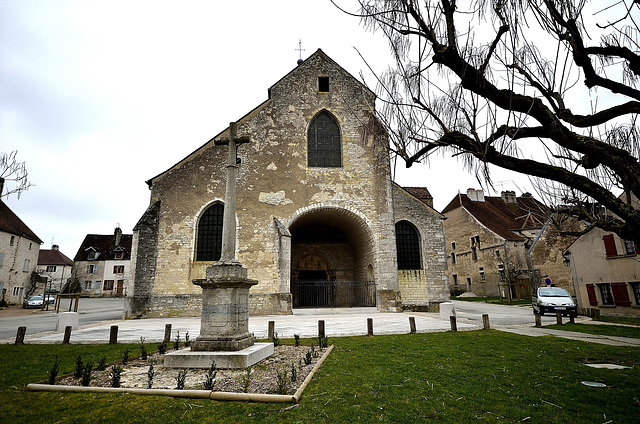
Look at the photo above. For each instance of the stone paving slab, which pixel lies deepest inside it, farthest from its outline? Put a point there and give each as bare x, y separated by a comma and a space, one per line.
346, 322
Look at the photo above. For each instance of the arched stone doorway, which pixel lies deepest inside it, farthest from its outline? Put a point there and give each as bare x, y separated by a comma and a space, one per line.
332, 256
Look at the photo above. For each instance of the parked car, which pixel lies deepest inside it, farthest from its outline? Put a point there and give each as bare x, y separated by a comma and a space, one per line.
32, 302
553, 299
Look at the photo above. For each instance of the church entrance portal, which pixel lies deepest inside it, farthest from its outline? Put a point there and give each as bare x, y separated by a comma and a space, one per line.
331, 260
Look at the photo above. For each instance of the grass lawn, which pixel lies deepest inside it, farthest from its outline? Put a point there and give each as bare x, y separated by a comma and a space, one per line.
600, 329
476, 376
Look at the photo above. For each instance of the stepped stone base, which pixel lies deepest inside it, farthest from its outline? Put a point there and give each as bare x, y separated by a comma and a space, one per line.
240, 359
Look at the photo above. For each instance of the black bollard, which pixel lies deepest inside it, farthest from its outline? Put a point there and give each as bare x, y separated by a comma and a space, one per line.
113, 335
454, 326
320, 329
67, 335
272, 329
370, 326
20, 335
167, 333
412, 325
485, 322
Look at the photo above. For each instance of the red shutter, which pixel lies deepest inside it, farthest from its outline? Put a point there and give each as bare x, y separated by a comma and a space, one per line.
620, 294
591, 291
610, 245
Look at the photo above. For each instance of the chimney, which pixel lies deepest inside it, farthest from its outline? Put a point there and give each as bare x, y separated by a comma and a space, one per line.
55, 247
509, 197
117, 234
475, 195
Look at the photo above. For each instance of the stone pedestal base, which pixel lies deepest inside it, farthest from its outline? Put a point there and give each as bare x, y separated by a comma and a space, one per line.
240, 359
224, 323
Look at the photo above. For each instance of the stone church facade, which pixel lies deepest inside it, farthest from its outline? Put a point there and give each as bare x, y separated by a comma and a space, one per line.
319, 221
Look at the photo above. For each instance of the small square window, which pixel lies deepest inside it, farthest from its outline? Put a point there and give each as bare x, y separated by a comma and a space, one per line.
323, 84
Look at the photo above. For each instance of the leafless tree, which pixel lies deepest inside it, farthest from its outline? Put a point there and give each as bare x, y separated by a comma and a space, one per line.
540, 87
15, 172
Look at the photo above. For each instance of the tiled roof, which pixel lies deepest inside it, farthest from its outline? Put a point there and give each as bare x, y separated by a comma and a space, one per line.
500, 217
420, 193
53, 257
105, 246
10, 223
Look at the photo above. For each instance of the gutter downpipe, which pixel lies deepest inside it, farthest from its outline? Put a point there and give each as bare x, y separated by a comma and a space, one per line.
533, 245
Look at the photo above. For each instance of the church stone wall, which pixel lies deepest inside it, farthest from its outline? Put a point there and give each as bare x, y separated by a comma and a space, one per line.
422, 289
274, 182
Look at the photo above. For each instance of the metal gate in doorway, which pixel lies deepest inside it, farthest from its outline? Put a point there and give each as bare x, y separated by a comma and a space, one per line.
337, 293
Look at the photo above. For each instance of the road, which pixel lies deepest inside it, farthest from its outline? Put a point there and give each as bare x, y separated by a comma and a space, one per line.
92, 311
499, 315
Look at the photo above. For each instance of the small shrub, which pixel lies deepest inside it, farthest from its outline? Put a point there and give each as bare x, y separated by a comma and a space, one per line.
162, 348
246, 380
294, 373
275, 340
313, 351
176, 342
125, 356
296, 337
3, 303
77, 373
87, 369
102, 364
324, 343
281, 381
143, 349
308, 357
180, 379
210, 377
115, 375
187, 340
53, 372
150, 374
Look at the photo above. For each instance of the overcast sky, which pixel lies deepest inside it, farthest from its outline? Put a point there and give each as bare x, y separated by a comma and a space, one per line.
99, 96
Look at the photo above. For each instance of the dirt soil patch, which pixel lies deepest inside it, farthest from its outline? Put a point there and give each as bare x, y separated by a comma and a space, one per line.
262, 377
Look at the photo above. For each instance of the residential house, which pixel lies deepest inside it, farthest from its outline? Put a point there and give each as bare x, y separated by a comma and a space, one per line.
55, 267
496, 246
19, 247
606, 272
102, 264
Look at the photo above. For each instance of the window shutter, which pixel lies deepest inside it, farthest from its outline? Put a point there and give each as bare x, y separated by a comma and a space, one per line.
591, 291
610, 245
620, 294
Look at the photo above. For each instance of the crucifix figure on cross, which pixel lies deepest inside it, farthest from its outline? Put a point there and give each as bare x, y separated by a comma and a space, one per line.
228, 254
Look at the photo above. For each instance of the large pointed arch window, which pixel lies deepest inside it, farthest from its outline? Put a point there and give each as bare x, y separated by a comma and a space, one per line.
324, 149
408, 246
209, 234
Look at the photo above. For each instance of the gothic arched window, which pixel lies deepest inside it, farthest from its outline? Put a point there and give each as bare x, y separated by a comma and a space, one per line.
209, 234
324, 149
408, 246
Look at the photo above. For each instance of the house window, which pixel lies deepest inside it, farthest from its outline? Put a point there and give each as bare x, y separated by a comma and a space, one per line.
323, 84
119, 254
118, 269
453, 258
92, 255
209, 238
88, 285
591, 292
12, 241
474, 253
605, 293
408, 246
324, 148
501, 274
620, 294
482, 277
16, 291
51, 268
636, 291
453, 245
455, 280
30, 246
469, 283
475, 241
108, 285
630, 247
610, 245
92, 269
497, 253
26, 265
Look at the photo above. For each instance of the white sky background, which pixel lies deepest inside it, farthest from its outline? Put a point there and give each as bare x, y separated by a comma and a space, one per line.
100, 96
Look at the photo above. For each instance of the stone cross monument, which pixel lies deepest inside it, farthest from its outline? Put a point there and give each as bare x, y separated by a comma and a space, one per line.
224, 324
